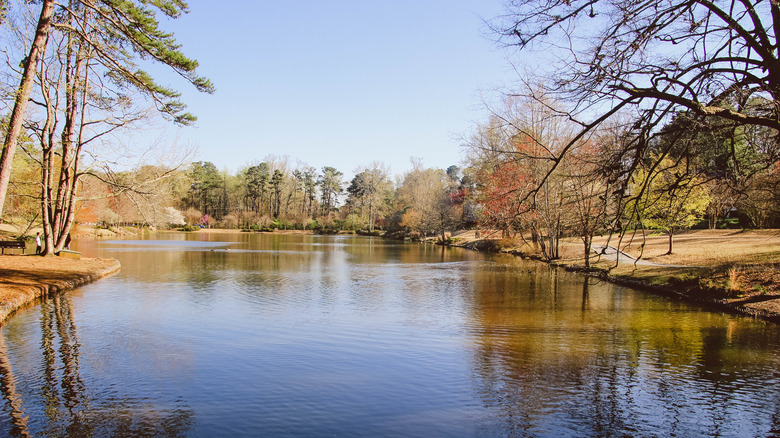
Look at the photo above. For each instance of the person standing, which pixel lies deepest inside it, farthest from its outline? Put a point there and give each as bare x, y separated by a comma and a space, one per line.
38, 243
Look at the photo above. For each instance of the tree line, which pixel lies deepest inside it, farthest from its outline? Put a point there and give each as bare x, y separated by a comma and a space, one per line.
275, 194
651, 116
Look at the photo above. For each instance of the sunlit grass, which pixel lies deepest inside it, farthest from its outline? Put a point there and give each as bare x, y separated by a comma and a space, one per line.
706, 248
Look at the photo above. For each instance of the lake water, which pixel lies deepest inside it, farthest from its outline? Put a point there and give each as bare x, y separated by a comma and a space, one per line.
294, 336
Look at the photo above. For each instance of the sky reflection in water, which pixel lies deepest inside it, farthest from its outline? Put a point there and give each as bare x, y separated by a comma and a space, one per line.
317, 336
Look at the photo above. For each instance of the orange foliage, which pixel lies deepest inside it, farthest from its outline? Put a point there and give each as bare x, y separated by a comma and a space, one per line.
500, 195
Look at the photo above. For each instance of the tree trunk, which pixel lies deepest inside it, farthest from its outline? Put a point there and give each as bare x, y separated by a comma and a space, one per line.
22, 96
671, 233
75, 82
587, 242
553, 250
371, 216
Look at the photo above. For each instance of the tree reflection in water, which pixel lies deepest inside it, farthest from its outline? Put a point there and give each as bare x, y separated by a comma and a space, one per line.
68, 407
563, 360
18, 426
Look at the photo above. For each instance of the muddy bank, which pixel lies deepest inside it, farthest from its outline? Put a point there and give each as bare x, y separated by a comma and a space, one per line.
23, 279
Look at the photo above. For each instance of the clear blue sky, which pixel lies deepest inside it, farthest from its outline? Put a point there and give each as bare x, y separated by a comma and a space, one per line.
338, 83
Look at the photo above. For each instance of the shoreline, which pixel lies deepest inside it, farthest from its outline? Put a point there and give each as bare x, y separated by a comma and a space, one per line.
732, 306
27, 278
704, 286
23, 279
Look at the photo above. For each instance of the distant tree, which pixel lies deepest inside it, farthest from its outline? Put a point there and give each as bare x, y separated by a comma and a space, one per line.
229, 221
255, 182
276, 192
330, 188
425, 201
354, 222
412, 220
138, 195
588, 203
205, 188
107, 216
760, 201
454, 172
248, 218
192, 216
298, 191
172, 216
309, 188
499, 197
207, 221
524, 139
368, 192
24, 201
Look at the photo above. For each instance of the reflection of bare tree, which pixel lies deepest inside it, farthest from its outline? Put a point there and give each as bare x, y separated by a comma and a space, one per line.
8, 386
585, 296
66, 407
562, 357
49, 389
72, 384
57, 324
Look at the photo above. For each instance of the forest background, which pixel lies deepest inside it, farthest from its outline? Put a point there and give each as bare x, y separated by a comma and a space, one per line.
663, 116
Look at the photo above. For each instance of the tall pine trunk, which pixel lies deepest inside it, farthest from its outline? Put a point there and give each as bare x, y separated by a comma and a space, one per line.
22, 97
61, 208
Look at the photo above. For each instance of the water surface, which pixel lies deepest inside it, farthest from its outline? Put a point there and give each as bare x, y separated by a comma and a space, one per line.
269, 335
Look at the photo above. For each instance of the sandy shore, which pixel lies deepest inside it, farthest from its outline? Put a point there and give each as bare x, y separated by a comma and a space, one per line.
23, 279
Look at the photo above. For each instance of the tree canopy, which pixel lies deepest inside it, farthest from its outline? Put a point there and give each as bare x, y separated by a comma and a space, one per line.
94, 48
654, 59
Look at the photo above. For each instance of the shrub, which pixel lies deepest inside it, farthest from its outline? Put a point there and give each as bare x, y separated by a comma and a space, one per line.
734, 284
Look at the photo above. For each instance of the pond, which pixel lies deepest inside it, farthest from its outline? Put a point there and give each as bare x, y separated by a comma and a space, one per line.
298, 335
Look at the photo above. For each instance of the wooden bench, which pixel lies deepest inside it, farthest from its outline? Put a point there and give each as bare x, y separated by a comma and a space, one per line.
12, 244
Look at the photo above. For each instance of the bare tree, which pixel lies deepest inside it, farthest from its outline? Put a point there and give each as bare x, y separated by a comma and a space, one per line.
93, 47
527, 138
655, 58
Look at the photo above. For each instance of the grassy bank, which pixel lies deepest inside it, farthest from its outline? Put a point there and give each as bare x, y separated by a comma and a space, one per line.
734, 270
